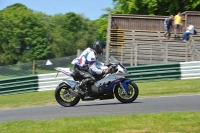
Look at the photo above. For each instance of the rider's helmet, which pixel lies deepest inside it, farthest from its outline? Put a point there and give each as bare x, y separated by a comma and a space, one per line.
99, 47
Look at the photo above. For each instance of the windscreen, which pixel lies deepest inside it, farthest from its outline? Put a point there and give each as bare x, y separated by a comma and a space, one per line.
113, 60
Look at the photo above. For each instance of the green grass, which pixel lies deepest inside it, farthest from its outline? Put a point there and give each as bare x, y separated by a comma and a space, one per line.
147, 89
173, 87
27, 99
176, 122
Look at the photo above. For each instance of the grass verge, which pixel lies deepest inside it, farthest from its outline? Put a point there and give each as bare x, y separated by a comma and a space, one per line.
184, 122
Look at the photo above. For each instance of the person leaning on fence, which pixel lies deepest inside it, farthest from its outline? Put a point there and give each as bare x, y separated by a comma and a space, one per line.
189, 30
168, 25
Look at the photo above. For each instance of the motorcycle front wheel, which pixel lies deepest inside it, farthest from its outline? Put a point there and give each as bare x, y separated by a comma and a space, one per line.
63, 96
129, 96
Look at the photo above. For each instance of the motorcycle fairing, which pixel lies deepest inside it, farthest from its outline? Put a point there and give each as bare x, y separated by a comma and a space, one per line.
108, 78
71, 83
123, 81
66, 71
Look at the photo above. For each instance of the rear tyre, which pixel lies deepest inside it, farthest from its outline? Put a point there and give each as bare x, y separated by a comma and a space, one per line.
128, 97
63, 97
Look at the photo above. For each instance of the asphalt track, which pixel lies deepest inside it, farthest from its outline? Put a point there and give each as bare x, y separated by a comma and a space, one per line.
105, 107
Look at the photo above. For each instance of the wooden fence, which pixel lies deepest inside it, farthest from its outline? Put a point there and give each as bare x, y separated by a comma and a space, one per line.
137, 39
148, 47
147, 22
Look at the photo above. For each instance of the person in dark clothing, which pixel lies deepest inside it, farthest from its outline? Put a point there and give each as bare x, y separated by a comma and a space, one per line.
168, 25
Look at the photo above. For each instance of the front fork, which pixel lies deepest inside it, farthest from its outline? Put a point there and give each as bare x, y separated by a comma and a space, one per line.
124, 85
123, 90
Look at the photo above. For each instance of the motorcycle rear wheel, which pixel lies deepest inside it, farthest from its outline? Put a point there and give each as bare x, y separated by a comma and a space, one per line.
131, 96
63, 97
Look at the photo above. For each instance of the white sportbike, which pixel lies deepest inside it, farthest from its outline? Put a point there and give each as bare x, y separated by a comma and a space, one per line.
109, 86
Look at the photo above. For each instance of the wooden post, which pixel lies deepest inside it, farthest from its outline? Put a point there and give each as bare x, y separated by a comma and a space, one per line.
186, 21
159, 37
186, 52
121, 54
151, 52
131, 63
166, 53
33, 67
78, 52
193, 51
108, 38
136, 49
132, 46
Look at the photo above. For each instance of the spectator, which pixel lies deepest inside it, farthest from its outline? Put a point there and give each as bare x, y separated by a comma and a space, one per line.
168, 26
177, 23
189, 30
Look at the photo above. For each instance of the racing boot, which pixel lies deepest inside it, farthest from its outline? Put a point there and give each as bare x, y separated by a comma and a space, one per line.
81, 90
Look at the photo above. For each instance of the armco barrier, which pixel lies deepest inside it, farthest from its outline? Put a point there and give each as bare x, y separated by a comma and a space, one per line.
183, 70
154, 72
190, 70
33, 83
50, 81
20, 84
43, 82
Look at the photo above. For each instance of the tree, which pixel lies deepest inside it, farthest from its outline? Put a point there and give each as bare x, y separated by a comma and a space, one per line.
70, 32
23, 36
101, 24
154, 7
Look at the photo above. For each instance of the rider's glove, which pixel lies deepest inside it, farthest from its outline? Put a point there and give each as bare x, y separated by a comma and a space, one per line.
113, 69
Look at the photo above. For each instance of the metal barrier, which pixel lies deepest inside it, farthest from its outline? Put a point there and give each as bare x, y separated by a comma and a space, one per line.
19, 85
183, 70
33, 83
43, 82
50, 81
190, 70
154, 72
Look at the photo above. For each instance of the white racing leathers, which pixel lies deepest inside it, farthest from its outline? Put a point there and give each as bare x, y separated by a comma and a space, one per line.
88, 61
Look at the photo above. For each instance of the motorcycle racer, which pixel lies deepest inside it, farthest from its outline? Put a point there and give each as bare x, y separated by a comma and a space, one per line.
86, 65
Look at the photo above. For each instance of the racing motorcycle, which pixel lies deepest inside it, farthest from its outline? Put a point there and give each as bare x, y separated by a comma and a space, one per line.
109, 86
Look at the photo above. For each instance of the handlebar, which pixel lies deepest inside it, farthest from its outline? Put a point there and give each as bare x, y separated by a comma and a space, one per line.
112, 69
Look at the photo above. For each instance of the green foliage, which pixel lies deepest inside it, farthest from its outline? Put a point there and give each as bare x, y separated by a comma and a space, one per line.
69, 33
154, 7
27, 35
102, 23
23, 36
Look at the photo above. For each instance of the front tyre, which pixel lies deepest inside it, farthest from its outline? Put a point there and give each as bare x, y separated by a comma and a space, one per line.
128, 97
63, 96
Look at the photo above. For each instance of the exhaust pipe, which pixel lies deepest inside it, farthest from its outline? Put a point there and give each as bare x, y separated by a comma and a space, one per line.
73, 93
